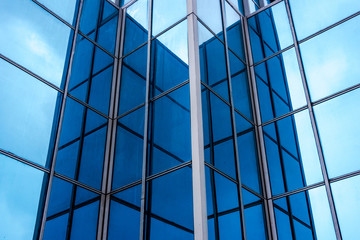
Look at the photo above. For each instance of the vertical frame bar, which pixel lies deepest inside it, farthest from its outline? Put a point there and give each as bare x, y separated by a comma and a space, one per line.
313, 124
197, 141
61, 117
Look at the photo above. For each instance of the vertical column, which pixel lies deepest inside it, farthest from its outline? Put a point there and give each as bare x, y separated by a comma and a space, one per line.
265, 178
314, 126
197, 141
61, 117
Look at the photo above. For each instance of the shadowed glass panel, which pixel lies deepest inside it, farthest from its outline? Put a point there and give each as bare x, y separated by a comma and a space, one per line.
35, 39
269, 32
22, 191
129, 149
169, 212
279, 85
29, 111
339, 133
136, 25
169, 65
170, 142
222, 206
82, 144
133, 80
166, 13
291, 153
331, 61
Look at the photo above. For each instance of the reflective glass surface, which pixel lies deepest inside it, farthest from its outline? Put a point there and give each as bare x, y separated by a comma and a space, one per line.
311, 16
170, 142
331, 59
269, 32
65, 9
82, 144
305, 215
210, 13
35, 39
21, 197
279, 85
169, 209
29, 111
339, 133
346, 196
291, 153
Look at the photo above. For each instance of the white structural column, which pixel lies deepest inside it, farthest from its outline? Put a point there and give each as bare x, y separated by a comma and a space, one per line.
197, 140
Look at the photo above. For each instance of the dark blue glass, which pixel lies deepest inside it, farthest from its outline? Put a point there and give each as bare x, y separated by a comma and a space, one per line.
29, 111
108, 27
136, 25
55, 229
212, 63
170, 142
169, 66
129, 149
169, 209
283, 221
35, 39
21, 189
84, 223
89, 17
255, 222
65, 9
133, 80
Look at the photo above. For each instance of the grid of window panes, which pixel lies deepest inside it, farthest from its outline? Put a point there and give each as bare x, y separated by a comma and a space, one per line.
96, 133
305, 71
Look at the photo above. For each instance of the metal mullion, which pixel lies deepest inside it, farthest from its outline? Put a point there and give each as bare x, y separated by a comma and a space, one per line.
130, 111
235, 8
77, 183
314, 126
233, 122
197, 135
146, 125
61, 117
253, 192
263, 8
123, 188
134, 50
170, 27
114, 5
86, 105
129, 4
169, 91
31, 73
212, 167
96, 44
170, 170
284, 116
273, 55
263, 168
103, 224
208, 28
307, 188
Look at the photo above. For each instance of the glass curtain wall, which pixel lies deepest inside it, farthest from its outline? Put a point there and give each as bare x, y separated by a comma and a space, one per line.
98, 104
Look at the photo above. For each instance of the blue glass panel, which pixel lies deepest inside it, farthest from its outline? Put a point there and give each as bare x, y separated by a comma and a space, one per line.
238, 5
35, 39
339, 133
254, 222
230, 226
129, 149
311, 16
66, 159
124, 222
331, 59
170, 142
108, 27
133, 80
29, 111
65, 9
55, 229
60, 197
130, 196
283, 223
170, 205
166, 13
136, 25
249, 198
346, 196
209, 12
89, 17
169, 59
234, 31
270, 31
212, 63
21, 188
84, 224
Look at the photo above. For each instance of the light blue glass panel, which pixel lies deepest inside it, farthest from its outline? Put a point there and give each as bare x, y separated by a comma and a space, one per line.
311, 16
29, 111
66, 9
35, 39
339, 133
347, 202
21, 187
209, 12
166, 13
331, 60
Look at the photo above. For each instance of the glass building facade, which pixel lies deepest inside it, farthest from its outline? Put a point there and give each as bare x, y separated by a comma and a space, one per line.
179, 119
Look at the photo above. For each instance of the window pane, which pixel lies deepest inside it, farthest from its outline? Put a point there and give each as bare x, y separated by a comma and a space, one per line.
35, 39
21, 188
29, 111
209, 12
339, 133
66, 9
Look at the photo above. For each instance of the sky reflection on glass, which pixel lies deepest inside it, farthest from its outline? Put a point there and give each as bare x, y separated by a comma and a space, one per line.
64, 8
331, 60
